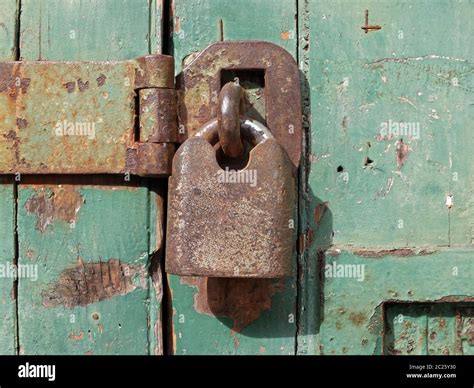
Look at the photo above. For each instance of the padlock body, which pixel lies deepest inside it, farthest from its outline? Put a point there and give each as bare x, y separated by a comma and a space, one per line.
227, 223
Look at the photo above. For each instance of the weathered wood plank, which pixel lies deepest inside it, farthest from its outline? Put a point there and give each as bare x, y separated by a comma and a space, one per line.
196, 24
361, 84
156, 26
372, 184
433, 329
355, 325
7, 256
87, 29
8, 25
156, 237
105, 222
89, 247
220, 316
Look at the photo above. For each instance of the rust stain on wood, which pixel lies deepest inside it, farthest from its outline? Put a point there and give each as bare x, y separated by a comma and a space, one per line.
402, 153
76, 337
358, 319
319, 212
242, 300
60, 203
90, 282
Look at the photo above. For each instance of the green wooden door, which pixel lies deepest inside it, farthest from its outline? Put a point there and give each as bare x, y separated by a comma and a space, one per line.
91, 240
388, 199
386, 212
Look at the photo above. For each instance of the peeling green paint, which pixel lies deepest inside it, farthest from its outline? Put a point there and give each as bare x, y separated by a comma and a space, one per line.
113, 221
374, 186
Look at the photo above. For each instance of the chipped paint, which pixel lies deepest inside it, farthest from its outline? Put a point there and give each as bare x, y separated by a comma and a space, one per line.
402, 150
50, 205
90, 282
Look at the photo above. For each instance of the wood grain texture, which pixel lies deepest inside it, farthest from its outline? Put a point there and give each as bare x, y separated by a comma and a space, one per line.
355, 325
196, 24
94, 236
83, 317
155, 255
8, 25
371, 188
218, 316
7, 256
87, 29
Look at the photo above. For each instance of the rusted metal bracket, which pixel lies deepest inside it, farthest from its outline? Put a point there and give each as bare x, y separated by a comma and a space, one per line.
279, 94
119, 117
81, 117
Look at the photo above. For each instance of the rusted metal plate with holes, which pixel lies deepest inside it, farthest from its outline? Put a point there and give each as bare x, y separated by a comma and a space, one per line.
79, 117
199, 84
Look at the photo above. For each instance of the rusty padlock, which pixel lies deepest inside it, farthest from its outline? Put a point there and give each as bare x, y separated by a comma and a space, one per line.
231, 223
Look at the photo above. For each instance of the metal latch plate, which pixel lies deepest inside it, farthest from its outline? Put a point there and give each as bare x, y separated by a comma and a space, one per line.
79, 117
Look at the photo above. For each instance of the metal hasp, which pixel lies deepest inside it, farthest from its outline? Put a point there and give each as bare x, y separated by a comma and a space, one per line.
88, 117
225, 221
199, 84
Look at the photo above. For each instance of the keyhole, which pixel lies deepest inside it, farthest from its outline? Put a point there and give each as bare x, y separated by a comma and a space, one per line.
233, 163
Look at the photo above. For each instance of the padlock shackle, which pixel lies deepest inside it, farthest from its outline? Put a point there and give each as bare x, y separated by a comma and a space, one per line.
228, 119
252, 131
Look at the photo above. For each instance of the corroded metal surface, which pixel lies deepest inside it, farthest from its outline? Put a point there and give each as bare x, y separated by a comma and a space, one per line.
154, 71
152, 159
199, 84
221, 224
158, 121
76, 117
228, 118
